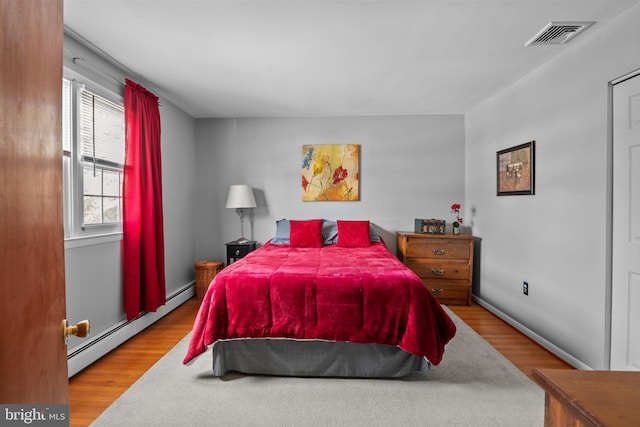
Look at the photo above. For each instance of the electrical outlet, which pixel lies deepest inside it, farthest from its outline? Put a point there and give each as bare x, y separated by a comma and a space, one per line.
525, 288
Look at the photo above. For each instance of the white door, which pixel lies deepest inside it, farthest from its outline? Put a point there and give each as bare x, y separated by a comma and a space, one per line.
625, 298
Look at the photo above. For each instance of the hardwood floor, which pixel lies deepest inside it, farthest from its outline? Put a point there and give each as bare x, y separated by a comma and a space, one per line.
92, 390
518, 348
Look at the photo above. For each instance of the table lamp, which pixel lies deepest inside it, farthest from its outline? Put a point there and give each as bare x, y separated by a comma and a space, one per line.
240, 198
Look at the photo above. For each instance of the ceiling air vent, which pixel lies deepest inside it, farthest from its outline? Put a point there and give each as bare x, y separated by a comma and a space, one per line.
558, 33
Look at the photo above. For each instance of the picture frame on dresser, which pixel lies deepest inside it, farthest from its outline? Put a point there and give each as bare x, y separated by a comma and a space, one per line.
430, 226
515, 170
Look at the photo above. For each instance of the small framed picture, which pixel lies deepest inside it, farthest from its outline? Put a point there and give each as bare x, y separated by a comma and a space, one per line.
429, 226
515, 170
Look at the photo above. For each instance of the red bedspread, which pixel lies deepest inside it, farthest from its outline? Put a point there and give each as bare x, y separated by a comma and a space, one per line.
361, 295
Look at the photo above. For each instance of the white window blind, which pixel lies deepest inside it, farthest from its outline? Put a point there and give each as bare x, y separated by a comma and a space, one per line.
102, 130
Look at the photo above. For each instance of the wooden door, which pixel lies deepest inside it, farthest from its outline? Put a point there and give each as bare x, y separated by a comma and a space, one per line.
625, 296
33, 362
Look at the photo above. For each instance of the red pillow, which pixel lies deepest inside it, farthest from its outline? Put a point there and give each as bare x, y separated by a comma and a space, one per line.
353, 234
306, 234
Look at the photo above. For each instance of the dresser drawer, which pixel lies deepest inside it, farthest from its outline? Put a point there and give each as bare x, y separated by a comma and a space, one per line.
450, 294
428, 268
441, 248
444, 263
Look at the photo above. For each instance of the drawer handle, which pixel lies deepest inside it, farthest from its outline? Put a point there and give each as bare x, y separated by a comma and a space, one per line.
436, 291
439, 251
437, 271
237, 251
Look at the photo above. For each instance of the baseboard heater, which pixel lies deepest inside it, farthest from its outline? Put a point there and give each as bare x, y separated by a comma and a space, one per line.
82, 356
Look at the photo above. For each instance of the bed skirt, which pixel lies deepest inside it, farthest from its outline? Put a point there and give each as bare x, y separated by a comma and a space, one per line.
314, 358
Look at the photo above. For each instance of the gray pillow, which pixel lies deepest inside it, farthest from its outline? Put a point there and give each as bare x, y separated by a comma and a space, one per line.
329, 232
373, 234
283, 230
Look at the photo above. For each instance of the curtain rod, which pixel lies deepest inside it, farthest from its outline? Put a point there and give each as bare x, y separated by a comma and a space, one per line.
80, 60
78, 45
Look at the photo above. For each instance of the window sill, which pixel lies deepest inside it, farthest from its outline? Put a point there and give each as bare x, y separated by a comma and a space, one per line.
98, 239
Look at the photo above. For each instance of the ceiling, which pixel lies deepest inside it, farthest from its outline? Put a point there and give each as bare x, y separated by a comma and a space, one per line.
279, 58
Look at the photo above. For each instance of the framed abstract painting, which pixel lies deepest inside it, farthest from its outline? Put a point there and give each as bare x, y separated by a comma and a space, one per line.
330, 172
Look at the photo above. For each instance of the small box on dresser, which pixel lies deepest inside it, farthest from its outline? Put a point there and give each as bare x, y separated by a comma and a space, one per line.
444, 262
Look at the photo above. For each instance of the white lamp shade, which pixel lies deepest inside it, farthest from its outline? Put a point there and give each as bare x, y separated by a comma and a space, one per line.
240, 197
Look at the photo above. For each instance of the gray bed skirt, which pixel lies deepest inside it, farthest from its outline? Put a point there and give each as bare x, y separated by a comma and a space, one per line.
288, 357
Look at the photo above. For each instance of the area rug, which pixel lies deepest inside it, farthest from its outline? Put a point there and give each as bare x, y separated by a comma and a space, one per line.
473, 386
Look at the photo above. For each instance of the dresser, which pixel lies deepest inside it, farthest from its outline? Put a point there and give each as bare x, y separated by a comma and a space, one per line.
444, 262
589, 398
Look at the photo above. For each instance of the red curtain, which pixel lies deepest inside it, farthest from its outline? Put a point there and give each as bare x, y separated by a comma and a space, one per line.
143, 235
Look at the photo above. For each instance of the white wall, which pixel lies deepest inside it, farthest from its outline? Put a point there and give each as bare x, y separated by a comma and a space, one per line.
556, 240
179, 194
410, 167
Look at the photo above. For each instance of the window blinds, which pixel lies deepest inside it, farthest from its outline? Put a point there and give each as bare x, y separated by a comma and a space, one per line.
101, 130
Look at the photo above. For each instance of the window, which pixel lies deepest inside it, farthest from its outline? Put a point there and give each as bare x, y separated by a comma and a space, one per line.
93, 143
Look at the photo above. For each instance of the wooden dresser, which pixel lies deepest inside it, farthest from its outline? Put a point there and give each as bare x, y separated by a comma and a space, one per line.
589, 398
444, 262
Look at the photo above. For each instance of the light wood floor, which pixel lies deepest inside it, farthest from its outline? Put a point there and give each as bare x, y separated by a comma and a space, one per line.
92, 390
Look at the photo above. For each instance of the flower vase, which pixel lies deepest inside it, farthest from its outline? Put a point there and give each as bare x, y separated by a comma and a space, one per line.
456, 230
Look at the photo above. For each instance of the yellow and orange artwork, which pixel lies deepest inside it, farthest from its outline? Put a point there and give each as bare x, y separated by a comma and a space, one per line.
330, 172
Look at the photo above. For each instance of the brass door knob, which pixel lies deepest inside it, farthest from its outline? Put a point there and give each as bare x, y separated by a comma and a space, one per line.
79, 330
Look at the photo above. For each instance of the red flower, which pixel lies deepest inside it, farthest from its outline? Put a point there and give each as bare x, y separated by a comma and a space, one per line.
304, 183
339, 175
455, 208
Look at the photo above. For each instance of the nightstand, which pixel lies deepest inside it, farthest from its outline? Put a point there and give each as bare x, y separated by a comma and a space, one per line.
236, 250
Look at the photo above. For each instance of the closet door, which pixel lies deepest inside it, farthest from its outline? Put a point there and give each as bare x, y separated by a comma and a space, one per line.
625, 296
33, 366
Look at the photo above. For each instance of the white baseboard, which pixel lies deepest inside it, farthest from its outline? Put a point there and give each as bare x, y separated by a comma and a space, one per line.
85, 354
535, 337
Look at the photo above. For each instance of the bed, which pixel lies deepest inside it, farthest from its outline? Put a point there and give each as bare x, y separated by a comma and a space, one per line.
322, 298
